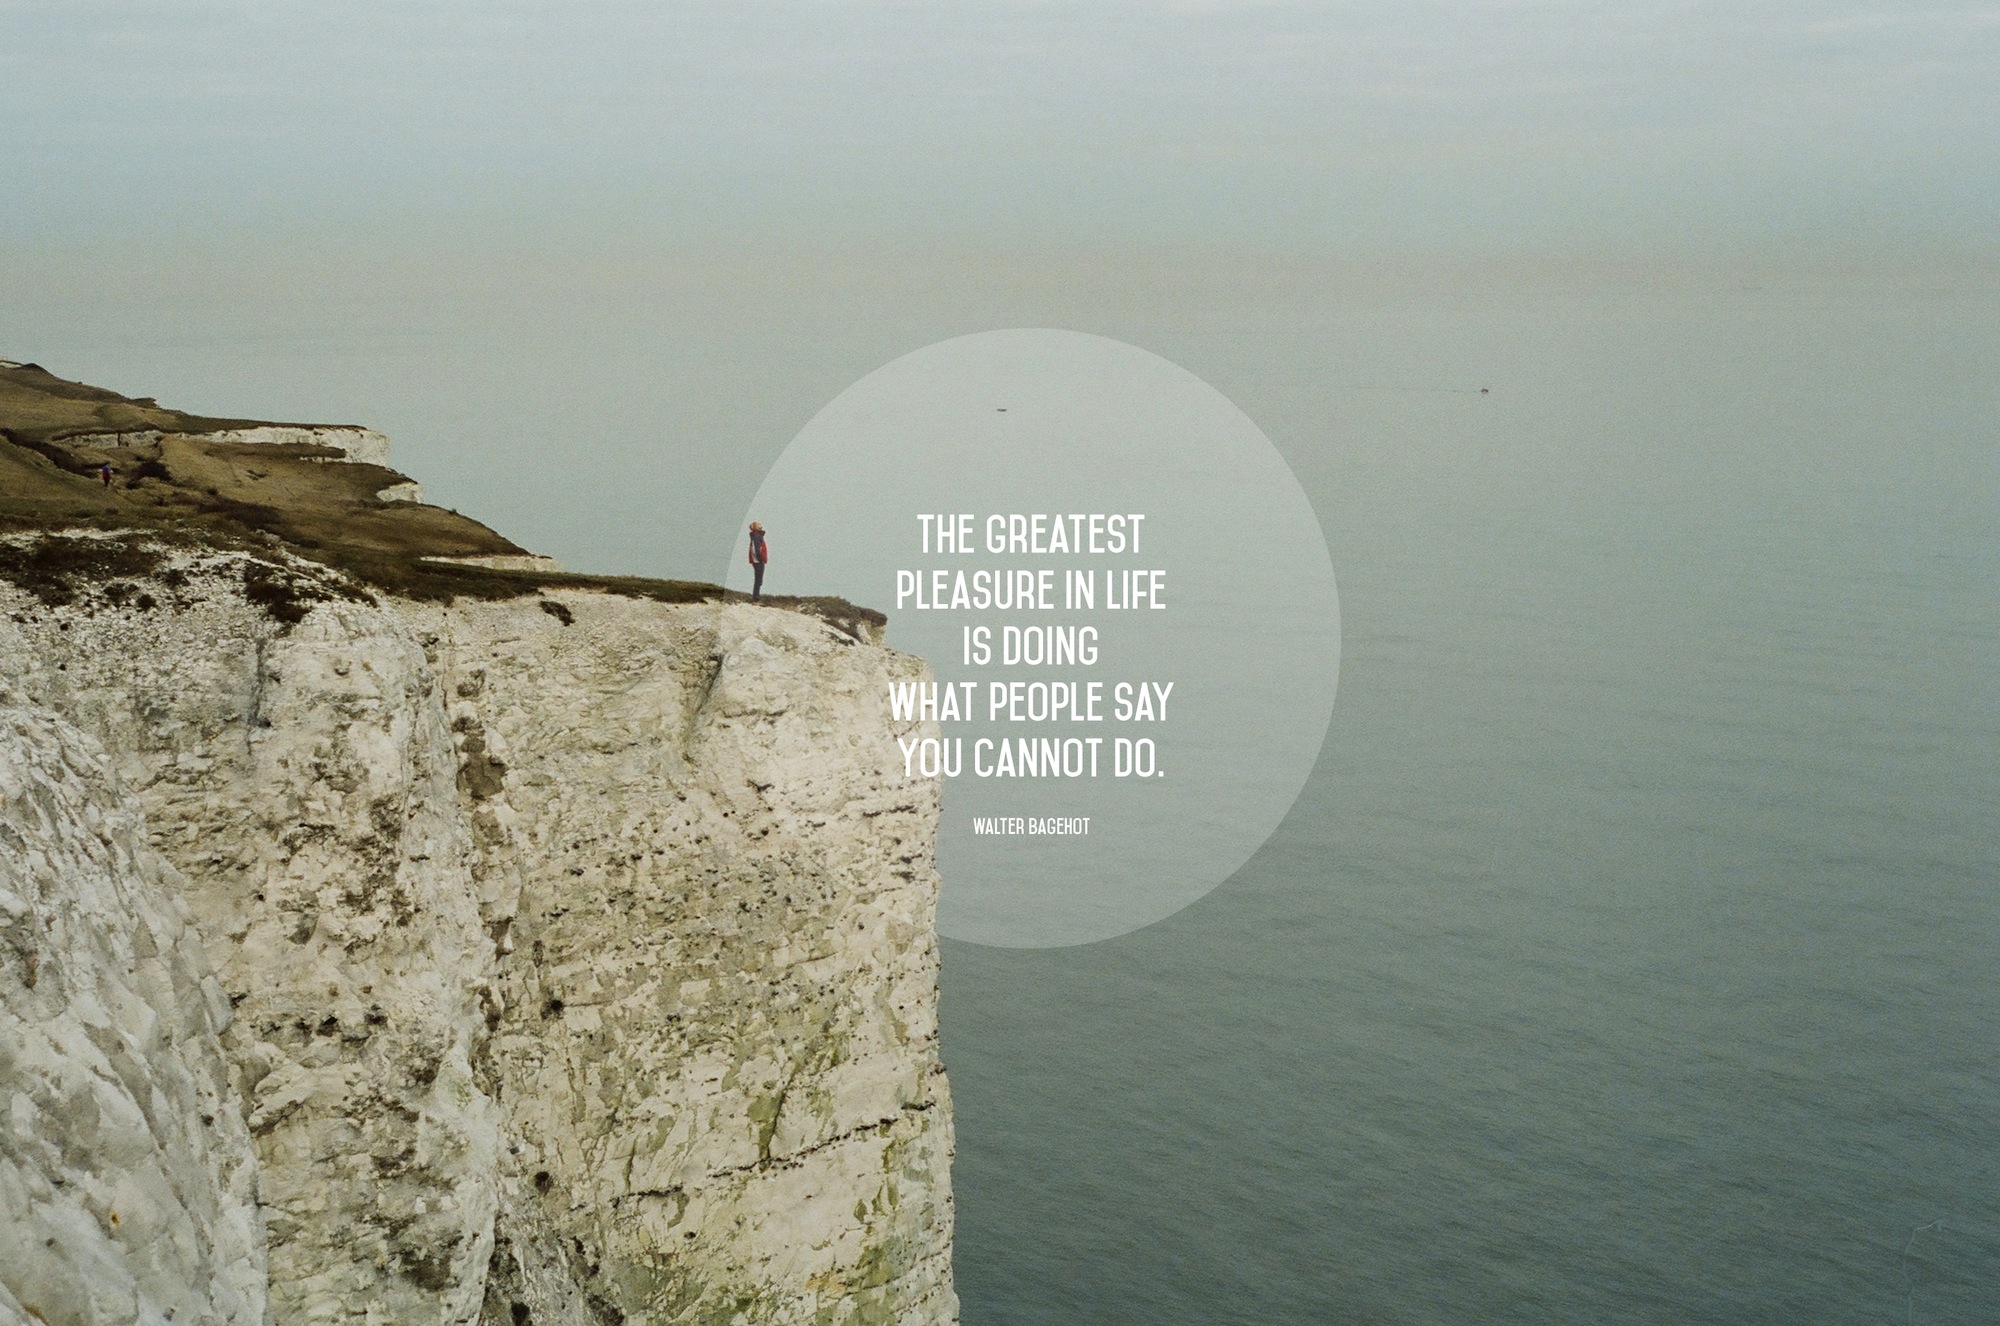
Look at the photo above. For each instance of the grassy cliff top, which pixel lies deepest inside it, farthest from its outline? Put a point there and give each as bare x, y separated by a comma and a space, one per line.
38, 406
184, 488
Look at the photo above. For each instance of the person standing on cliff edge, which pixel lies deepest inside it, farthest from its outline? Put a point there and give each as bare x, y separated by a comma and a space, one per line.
760, 553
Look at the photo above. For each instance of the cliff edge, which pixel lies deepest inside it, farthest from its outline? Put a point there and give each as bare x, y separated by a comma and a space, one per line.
547, 949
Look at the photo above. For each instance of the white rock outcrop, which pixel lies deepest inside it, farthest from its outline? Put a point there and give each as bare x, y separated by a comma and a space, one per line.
504, 562
363, 445
127, 1176
581, 948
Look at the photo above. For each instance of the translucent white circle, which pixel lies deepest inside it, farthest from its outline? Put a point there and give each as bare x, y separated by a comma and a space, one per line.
1231, 681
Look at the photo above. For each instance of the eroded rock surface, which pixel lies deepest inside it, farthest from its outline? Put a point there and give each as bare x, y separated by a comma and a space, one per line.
716, 1045
127, 1176
581, 949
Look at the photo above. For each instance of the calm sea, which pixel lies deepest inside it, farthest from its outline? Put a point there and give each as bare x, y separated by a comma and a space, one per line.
1634, 953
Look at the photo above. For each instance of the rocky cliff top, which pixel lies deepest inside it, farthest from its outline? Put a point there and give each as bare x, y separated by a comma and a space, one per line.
322, 492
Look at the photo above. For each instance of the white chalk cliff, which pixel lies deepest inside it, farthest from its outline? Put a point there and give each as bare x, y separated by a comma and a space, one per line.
562, 959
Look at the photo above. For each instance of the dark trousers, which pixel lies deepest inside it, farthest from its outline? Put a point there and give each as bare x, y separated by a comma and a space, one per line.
757, 584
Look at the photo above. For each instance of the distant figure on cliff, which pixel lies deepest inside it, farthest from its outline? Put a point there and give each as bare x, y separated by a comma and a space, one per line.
104, 473
760, 553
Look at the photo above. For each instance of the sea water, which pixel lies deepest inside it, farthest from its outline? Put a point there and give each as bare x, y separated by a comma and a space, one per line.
1634, 953
1631, 956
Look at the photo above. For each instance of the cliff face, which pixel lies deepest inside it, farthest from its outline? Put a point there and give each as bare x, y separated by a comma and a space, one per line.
569, 959
127, 1179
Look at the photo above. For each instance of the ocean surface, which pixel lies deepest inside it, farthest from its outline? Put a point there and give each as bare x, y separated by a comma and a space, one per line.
1633, 955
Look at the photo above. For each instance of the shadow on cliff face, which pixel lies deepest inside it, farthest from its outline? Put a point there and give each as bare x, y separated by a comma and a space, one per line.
173, 480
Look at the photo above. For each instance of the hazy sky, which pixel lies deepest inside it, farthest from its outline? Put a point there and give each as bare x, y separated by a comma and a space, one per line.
1386, 123
592, 266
